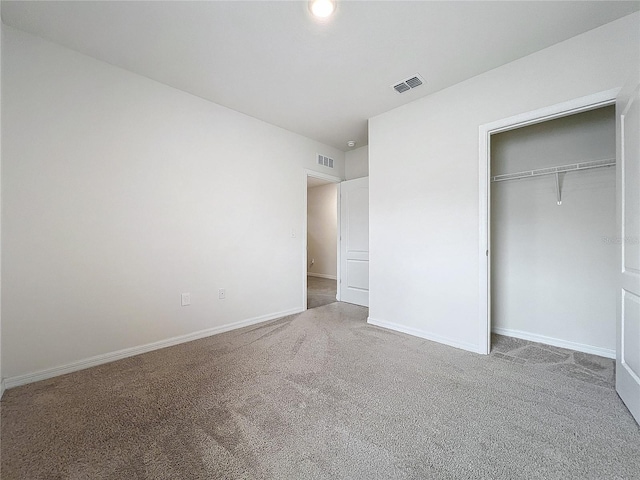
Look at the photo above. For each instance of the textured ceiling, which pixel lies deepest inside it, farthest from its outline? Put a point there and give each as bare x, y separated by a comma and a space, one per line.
273, 61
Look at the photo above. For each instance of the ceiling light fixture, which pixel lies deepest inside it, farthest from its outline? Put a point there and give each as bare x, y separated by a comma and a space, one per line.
351, 144
322, 8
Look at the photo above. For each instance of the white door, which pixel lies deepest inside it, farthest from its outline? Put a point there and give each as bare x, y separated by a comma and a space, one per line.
628, 190
354, 241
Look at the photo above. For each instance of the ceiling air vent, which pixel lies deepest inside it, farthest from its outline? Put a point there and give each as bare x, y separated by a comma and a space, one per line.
414, 82
325, 161
408, 84
402, 87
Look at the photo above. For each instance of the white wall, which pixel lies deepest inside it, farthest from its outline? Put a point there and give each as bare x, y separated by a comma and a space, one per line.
119, 193
322, 230
356, 163
552, 269
424, 205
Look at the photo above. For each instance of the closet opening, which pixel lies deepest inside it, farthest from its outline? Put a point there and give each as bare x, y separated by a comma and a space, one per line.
551, 232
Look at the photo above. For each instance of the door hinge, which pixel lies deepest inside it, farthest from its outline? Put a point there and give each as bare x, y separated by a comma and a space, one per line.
487, 253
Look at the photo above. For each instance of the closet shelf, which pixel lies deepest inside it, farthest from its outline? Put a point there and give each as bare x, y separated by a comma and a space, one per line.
555, 170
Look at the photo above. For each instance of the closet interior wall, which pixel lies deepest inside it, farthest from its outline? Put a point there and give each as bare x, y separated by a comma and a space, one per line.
553, 267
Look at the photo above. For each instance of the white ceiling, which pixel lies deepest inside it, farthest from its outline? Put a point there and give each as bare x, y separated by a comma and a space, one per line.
271, 60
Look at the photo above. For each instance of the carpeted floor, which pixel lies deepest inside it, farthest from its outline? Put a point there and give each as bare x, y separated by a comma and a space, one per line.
323, 395
320, 291
578, 365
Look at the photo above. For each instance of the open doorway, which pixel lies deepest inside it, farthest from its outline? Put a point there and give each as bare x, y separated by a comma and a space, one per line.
544, 223
553, 215
322, 233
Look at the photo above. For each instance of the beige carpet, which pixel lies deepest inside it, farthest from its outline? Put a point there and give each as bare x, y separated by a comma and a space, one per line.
323, 395
320, 291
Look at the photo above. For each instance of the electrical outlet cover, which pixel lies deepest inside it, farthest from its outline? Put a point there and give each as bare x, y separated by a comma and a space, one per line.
185, 299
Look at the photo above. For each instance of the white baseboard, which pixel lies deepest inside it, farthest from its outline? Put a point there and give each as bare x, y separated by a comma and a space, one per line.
322, 275
422, 334
130, 352
556, 342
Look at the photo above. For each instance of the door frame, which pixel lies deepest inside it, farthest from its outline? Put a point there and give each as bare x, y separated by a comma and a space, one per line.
331, 179
571, 107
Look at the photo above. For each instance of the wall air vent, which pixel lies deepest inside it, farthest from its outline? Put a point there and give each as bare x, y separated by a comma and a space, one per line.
408, 84
325, 161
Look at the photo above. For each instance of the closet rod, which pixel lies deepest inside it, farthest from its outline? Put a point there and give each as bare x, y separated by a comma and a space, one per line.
554, 170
